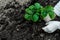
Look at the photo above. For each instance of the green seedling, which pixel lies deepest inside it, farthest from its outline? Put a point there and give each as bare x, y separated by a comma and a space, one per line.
48, 10
36, 11
32, 12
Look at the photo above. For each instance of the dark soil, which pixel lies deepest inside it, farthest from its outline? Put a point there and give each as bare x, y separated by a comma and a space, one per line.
13, 26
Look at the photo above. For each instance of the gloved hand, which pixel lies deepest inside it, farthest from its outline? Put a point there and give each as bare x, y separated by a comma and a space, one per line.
51, 26
57, 9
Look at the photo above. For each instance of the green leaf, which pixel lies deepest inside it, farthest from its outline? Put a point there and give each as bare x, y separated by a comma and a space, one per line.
38, 10
37, 13
43, 13
52, 15
27, 17
49, 8
29, 11
35, 18
31, 7
37, 6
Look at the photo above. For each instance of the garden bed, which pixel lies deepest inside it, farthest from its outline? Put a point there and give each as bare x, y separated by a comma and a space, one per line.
13, 26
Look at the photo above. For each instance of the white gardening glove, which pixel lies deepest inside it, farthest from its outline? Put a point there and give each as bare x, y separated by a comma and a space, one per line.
51, 26
57, 9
